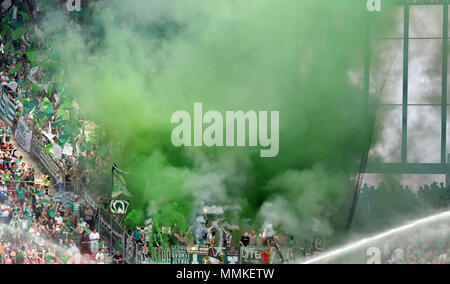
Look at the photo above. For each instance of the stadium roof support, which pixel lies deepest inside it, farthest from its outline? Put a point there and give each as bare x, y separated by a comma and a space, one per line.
404, 167
419, 168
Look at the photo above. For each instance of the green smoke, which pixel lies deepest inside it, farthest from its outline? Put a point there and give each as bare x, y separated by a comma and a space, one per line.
147, 59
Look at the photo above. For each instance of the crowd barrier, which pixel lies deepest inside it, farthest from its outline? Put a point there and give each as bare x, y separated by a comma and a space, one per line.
32, 142
120, 240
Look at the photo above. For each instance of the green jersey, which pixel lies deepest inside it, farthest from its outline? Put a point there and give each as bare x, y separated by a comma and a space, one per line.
48, 258
6, 178
51, 212
20, 193
75, 207
64, 234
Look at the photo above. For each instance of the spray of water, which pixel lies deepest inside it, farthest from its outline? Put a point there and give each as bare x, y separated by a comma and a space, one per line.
327, 257
27, 236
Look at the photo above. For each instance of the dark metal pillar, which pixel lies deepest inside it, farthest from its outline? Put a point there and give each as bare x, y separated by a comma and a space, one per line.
405, 85
444, 89
365, 157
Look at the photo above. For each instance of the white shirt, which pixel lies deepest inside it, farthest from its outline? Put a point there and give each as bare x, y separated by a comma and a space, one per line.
58, 220
94, 237
100, 257
5, 212
3, 189
398, 255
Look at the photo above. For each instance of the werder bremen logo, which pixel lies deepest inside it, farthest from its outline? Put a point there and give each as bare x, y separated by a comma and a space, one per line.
119, 207
214, 257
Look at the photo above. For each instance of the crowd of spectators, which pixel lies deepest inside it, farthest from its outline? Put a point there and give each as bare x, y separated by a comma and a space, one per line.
430, 245
36, 228
388, 205
32, 80
209, 235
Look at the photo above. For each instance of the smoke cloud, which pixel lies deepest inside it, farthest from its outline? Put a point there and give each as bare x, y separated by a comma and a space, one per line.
147, 59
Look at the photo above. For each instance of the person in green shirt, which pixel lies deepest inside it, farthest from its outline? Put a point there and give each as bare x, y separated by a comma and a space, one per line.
64, 259
20, 194
76, 236
39, 191
30, 178
65, 234
6, 177
50, 256
27, 212
33, 192
52, 209
31, 169
38, 209
8, 134
75, 211
20, 257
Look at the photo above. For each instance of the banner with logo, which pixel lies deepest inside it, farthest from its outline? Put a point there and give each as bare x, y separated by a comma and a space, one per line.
205, 255
180, 255
119, 207
23, 135
7, 109
49, 164
159, 256
255, 255
262, 255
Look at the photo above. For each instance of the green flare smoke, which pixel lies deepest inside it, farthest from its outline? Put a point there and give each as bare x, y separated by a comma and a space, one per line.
148, 59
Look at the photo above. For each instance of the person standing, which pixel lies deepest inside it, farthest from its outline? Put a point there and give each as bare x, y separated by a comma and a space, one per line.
68, 180
20, 193
228, 237
89, 215
84, 242
245, 240
59, 182
94, 238
253, 238
75, 211
3, 192
8, 134
46, 183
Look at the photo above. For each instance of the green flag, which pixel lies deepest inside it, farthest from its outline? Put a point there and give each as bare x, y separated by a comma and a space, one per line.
15, 68
30, 105
49, 111
48, 149
18, 33
31, 55
24, 15
119, 186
